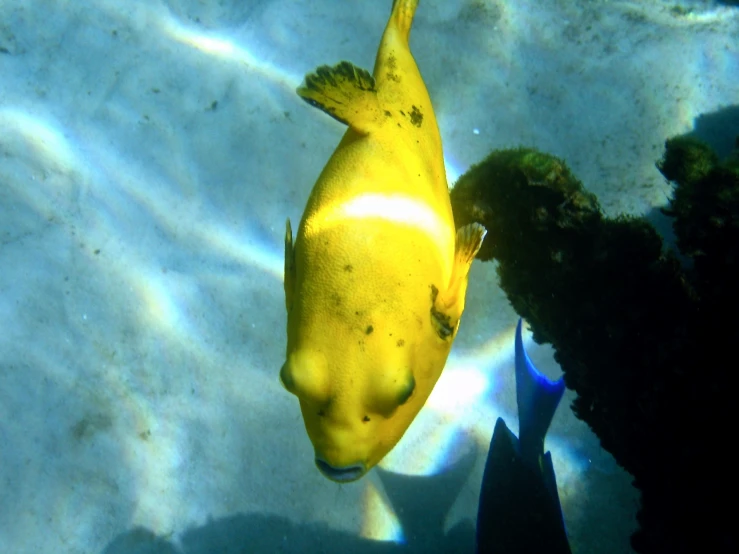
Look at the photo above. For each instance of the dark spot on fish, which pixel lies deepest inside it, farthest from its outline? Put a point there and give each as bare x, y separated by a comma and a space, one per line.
400, 342
391, 62
434, 293
399, 125
442, 323
440, 320
366, 419
349, 268
388, 113
336, 299
368, 330
402, 113
321, 413
393, 77
416, 117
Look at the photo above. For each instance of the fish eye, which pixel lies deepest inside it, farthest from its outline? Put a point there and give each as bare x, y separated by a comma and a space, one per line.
286, 378
407, 390
391, 388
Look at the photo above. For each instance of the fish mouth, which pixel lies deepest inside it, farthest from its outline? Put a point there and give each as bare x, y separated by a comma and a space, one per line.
340, 474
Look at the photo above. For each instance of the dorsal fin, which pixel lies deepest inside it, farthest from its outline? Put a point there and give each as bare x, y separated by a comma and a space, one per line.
346, 93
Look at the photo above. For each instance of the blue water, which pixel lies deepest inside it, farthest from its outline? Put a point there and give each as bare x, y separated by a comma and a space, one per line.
150, 152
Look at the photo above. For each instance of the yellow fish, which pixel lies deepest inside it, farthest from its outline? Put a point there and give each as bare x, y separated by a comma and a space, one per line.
376, 277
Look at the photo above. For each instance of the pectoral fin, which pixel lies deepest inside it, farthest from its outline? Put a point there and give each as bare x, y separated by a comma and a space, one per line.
447, 306
289, 276
346, 93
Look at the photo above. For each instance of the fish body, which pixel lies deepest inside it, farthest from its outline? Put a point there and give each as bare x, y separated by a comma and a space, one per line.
376, 276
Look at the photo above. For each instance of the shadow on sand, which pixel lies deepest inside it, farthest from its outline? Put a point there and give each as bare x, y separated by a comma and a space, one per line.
421, 504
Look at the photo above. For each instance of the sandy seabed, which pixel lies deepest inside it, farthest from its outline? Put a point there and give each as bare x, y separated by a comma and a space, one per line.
150, 152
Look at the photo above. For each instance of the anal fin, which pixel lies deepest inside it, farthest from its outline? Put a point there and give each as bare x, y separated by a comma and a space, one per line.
346, 93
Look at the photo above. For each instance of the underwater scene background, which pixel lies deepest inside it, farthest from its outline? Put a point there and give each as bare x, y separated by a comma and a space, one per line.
150, 152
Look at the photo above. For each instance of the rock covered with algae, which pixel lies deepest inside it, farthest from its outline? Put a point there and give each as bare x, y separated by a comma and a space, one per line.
640, 338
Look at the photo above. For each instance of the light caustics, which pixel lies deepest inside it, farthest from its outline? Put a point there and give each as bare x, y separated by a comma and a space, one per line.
219, 46
459, 405
118, 191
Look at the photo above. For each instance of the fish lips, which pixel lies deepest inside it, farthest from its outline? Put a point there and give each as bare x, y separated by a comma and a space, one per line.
344, 474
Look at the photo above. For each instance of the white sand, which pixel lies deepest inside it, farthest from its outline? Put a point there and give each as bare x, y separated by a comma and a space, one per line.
150, 151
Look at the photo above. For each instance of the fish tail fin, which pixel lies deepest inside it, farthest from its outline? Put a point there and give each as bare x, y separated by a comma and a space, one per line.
402, 16
537, 398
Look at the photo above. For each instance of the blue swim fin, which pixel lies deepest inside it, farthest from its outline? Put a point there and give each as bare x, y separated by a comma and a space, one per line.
519, 509
537, 398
